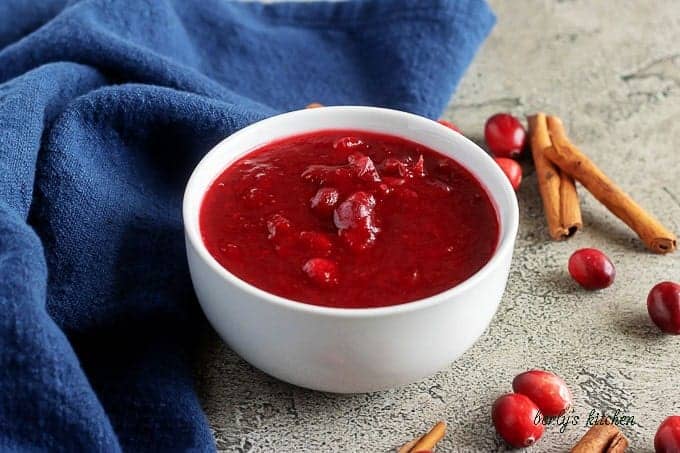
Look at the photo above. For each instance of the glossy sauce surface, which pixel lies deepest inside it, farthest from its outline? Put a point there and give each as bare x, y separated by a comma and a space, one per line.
349, 219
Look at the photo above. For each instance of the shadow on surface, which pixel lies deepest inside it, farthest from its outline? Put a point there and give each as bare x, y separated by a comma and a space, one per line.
639, 326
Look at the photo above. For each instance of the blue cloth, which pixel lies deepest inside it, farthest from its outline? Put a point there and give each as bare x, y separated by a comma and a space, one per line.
105, 108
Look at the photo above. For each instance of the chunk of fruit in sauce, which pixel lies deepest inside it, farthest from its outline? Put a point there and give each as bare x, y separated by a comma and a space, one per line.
364, 168
354, 219
278, 226
321, 271
324, 200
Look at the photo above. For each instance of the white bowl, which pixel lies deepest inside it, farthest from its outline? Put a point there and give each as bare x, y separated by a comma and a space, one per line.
349, 350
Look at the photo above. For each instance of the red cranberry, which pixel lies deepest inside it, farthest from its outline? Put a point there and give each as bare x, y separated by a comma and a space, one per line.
511, 169
355, 221
547, 390
667, 439
450, 125
591, 269
364, 168
324, 200
663, 305
505, 136
282, 235
515, 418
321, 271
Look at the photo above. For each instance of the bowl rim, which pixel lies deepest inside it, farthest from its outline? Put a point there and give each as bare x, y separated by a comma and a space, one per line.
509, 225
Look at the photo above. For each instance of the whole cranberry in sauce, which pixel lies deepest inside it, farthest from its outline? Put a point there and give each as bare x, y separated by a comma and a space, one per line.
591, 269
663, 305
321, 271
324, 200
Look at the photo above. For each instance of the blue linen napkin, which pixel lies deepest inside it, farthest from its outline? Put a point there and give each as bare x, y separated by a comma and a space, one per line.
105, 108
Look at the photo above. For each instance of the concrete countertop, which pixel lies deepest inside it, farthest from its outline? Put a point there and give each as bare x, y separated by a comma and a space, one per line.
611, 70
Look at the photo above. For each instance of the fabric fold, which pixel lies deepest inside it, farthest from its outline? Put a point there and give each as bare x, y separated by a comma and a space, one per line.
105, 108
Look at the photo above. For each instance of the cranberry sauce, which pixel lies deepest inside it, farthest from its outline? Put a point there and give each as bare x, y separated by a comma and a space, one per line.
349, 219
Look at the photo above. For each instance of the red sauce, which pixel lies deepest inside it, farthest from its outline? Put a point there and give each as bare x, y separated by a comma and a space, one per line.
349, 219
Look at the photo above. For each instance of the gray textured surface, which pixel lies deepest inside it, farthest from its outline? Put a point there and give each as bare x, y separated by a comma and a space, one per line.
613, 74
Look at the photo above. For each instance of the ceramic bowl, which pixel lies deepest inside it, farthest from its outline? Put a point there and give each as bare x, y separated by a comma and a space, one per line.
349, 350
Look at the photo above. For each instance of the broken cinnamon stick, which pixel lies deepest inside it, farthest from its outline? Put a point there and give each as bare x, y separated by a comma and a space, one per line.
602, 439
572, 161
557, 189
570, 207
409, 445
429, 440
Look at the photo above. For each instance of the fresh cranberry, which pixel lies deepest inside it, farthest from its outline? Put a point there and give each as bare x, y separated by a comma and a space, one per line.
511, 169
321, 271
355, 221
514, 417
316, 243
450, 125
505, 136
667, 439
547, 390
324, 200
663, 305
591, 269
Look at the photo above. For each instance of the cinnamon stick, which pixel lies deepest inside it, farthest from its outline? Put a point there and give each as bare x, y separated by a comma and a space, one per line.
409, 445
570, 208
429, 440
602, 439
557, 189
576, 164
